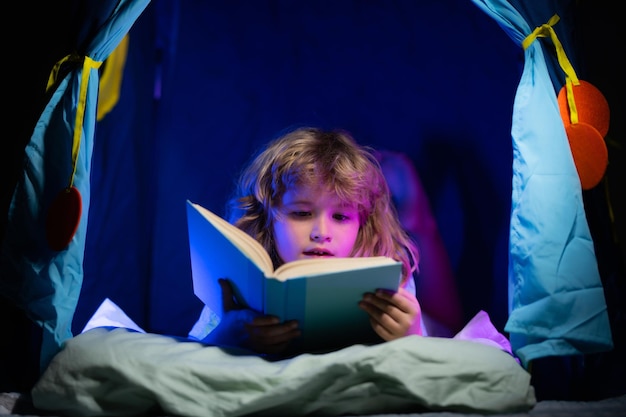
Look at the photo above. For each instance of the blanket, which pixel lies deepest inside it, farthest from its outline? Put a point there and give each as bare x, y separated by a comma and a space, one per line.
121, 372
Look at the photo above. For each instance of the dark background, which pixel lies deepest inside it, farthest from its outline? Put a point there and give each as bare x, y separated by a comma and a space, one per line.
206, 83
223, 78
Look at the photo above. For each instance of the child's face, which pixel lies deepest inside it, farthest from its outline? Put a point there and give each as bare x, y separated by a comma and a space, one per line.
314, 223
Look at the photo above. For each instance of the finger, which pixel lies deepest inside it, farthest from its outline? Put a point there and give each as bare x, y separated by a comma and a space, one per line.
272, 338
381, 312
402, 300
272, 332
383, 326
381, 303
260, 321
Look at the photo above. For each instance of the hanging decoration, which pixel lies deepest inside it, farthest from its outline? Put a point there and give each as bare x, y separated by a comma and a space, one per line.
584, 111
65, 212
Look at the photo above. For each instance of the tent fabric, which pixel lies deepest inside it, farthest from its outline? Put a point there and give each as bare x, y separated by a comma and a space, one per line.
556, 305
556, 300
43, 282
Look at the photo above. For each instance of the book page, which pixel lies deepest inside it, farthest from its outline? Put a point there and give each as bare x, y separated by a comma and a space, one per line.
246, 243
316, 266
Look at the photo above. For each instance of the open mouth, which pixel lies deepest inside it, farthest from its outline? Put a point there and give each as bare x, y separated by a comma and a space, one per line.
317, 253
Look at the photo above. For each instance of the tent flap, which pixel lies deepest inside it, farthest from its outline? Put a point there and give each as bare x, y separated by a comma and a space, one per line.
556, 302
43, 282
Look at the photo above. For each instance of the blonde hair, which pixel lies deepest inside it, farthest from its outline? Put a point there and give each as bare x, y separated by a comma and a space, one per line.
311, 156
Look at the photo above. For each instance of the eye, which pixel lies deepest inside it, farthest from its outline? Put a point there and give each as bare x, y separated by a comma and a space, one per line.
341, 217
299, 213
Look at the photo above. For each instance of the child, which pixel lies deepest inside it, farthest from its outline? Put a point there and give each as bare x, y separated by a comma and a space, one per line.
316, 193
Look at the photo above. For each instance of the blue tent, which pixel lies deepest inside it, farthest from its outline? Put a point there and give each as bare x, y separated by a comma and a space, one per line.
204, 85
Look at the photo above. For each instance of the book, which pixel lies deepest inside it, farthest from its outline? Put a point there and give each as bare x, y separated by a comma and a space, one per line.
321, 293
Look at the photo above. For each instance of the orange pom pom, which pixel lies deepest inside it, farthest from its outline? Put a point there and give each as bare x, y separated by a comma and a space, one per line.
589, 152
591, 106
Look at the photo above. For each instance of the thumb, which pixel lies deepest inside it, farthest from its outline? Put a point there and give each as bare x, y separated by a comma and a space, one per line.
228, 300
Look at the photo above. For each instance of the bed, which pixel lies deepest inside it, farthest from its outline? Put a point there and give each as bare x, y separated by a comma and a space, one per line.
115, 368
122, 372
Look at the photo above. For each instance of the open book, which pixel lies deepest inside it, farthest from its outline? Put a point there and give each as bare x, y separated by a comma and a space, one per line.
322, 294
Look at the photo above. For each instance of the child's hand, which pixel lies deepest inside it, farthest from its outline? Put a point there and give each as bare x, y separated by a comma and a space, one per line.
393, 315
247, 328
266, 334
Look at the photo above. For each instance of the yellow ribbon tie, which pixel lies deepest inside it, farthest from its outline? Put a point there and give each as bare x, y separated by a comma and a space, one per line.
569, 90
88, 64
544, 31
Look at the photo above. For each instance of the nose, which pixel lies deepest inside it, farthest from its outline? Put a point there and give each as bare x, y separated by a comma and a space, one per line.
320, 231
